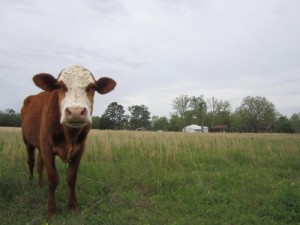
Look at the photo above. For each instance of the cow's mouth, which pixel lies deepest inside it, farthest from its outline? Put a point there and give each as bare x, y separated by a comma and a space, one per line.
75, 124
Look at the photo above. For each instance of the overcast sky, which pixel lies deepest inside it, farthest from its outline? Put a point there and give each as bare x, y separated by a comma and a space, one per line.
156, 50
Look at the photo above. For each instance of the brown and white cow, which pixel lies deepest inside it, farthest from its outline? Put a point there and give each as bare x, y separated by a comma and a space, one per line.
57, 121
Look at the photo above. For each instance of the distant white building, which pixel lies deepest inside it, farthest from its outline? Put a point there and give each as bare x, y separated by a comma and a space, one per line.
195, 128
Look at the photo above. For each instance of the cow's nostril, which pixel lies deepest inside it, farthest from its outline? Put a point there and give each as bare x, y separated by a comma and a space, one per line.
68, 112
83, 112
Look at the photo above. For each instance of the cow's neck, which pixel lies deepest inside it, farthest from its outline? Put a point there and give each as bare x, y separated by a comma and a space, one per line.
75, 139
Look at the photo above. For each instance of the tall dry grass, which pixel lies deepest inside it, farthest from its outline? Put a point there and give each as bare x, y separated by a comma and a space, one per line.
11, 144
170, 145
130, 177
166, 146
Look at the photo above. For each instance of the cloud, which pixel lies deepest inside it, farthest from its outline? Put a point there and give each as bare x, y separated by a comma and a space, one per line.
106, 7
156, 50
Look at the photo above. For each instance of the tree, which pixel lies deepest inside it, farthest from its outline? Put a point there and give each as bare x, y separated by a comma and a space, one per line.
223, 112
175, 123
96, 122
198, 108
284, 125
140, 117
255, 113
181, 107
160, 123
10, 112
235, 120
9, 118
295, 122
194, 110
212, 105
113, 117
220, 112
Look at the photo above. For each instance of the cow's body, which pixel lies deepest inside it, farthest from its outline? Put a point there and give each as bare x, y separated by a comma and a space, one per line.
58, 129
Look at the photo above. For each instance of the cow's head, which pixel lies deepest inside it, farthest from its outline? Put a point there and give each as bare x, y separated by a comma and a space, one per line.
76, 87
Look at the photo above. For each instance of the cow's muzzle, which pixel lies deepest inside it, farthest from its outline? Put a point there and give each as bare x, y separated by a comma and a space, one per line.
76, 116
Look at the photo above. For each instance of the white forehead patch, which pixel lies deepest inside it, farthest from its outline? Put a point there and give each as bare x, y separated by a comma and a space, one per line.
76, 77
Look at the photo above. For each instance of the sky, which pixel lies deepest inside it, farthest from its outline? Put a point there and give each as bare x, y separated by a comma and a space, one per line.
156, 50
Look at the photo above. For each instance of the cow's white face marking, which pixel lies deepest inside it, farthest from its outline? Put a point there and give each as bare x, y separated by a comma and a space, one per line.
76, 80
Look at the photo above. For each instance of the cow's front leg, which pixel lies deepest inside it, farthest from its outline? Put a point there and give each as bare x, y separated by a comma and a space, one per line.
53, 180
71, 180
40, 169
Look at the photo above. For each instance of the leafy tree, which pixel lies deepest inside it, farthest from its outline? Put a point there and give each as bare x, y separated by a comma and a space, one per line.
96, 122
175, 123
295, 122
105, 123
255, 113
10, 112
212, 105
223, 112
198, 108
194, 110
284, 125
235, 122
9, 118
126, 124
160, 123
181, 107
220, 112
113, 117
140, 117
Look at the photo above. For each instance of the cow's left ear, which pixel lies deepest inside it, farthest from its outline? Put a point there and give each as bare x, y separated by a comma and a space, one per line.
45, 81
105, 85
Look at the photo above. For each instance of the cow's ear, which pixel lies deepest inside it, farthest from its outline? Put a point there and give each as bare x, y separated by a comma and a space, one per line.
105, 85
45, 81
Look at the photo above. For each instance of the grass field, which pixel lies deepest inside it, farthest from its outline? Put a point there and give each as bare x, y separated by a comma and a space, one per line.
149, 178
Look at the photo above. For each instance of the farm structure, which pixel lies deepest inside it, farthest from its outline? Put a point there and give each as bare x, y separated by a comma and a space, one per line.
219, 128
195, 128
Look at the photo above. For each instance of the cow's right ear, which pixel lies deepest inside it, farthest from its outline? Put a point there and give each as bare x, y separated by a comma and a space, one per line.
45, 81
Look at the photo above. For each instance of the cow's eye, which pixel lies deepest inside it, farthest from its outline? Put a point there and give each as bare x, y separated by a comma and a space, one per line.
62, 87
90, 87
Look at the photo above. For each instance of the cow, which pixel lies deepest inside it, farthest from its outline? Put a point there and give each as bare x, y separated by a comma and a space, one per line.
57, 122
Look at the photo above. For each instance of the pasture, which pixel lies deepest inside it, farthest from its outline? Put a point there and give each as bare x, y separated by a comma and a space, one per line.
149, 178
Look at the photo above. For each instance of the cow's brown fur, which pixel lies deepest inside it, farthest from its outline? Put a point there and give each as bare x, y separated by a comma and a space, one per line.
42, 129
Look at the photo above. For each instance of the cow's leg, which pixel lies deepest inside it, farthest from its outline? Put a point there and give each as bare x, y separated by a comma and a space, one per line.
30, 161
53, 179
71, 180
40, 168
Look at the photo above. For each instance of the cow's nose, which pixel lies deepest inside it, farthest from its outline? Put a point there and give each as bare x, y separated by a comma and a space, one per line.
76, 113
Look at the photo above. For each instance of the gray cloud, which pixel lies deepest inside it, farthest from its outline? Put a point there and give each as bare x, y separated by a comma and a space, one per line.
156, 50
106, 7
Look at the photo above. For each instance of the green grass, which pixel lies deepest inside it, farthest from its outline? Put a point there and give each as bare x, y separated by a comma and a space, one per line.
148, 178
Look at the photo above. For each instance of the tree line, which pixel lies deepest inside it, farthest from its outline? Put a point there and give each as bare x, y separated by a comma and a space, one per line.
9, 118
255, 114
